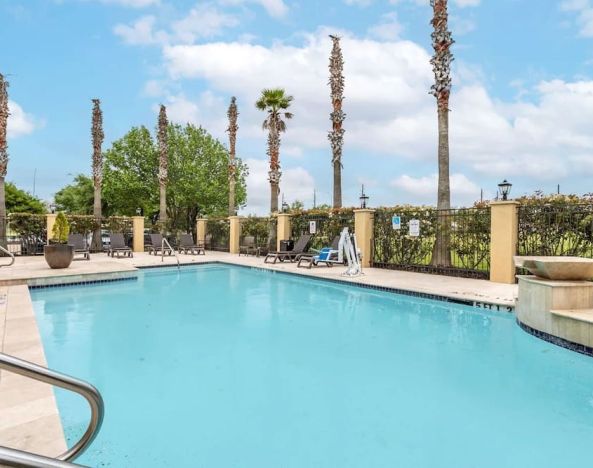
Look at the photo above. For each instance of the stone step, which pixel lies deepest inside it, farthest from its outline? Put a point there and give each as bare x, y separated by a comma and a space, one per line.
582, 315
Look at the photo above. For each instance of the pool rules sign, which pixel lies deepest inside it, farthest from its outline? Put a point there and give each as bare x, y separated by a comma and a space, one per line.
414, 226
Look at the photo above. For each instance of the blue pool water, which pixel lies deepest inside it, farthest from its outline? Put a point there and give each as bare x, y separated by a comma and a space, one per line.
218, 366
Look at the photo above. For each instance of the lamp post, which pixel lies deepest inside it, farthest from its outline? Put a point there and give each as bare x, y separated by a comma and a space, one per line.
52, 208
138, 211
285, 206
363, 198
504, 189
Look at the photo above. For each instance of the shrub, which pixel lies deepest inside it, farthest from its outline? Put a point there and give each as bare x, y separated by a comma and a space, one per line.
61, 229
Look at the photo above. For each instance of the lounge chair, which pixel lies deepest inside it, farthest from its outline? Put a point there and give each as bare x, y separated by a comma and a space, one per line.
157, 245
80, 247
117, 245
300, 247
187, 245
248, 246
327, 255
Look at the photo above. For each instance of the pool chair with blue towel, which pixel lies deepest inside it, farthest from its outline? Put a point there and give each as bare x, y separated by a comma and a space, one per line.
327, 255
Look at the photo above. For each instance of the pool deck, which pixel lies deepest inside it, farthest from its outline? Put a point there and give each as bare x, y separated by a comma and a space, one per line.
30, 419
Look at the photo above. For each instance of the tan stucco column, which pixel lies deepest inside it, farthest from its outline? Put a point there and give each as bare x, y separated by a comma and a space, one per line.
50, 220
283, 228
234, 234
364, 220
138, 233
504, 231
201, 230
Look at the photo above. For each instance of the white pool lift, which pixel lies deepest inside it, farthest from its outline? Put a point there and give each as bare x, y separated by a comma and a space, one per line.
347, 247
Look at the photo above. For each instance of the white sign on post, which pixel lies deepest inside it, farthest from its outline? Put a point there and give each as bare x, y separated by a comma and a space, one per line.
312, 227
396, 223
414, 227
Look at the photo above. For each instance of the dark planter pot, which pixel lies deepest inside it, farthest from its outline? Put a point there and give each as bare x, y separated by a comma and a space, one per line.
58, 255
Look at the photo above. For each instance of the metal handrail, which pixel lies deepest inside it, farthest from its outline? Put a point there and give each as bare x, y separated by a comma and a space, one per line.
86, 390
18, 458
165, 241
10, 254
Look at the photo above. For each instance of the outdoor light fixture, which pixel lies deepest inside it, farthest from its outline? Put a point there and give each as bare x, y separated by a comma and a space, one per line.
138, 211
52, 208
505, 188
285, 206
363, 198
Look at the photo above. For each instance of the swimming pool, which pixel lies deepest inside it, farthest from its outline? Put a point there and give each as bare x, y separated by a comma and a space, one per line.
222, 366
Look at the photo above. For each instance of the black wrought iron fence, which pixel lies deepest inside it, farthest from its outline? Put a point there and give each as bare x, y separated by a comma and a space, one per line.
24, 233
218, 234
556, 229
324, 226
262, 229
88, 224
409, 242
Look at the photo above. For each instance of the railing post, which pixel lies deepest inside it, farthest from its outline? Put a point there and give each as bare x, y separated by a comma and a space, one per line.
50, 220
283, 228
138, 233
201, 230
364, 225
504, 232
234, 234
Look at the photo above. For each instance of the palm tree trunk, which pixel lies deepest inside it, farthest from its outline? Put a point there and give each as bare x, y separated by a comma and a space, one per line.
274, 174
442, 247
274, 190
232, 205
336, 136
97, 140
232, 129
337, 184
163, 165
3, 220
3, 154
163, 203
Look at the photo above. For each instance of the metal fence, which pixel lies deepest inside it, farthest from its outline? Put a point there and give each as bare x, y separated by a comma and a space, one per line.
262, 229
556, 229
218, 234
325, 228
409, 241
23, 233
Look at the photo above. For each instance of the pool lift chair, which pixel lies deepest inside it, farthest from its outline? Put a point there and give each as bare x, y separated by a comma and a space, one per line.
347, 247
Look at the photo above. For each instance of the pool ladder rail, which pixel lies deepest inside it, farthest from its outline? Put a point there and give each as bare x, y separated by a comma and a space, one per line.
10, 254
19, 458
166, 242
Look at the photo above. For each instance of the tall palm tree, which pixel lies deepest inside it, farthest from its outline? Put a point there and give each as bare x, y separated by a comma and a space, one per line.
336, 136
97, 136
441, 89
232, 129
275, 102
163, 164
3, 154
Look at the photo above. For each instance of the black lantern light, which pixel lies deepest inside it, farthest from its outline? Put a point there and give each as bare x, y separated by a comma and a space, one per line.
285, 206
138, 211
52, 208
363, 198
505, 188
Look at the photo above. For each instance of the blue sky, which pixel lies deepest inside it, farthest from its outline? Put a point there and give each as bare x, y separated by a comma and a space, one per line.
522, 106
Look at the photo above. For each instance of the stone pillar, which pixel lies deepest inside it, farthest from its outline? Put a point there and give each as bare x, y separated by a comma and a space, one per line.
364, 222
138, 233
201, 230
234, 234
50, 220
504, 233
283, 228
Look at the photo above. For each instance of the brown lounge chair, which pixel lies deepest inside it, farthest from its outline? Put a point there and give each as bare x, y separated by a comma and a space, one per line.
80, 247
300, 248
117, 245
187, 245
248, 246
157, 245
310, 259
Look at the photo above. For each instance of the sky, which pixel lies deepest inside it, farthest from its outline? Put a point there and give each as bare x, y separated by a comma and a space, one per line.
521, 106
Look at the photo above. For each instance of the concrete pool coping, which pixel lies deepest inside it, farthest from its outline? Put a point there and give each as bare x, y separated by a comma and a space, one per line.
30, 418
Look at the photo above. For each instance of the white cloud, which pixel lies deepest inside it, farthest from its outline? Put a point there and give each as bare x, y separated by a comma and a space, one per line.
423, 189
140, 32
389, 111
363, 3
296, 183
275, 8
133, 3
584, 10
19, 122
389, 28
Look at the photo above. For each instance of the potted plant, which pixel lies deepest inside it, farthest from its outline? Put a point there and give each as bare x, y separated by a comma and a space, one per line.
58, 254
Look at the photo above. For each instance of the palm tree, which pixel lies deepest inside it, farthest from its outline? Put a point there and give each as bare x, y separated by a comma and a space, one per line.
232, 129
3, 154
163, 164
274, 102
97, 137
441, 89
336, 136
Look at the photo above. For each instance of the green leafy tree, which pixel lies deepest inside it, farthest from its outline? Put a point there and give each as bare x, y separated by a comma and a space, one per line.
19, 201
275, 103
77, 197
197, 175
61, 229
